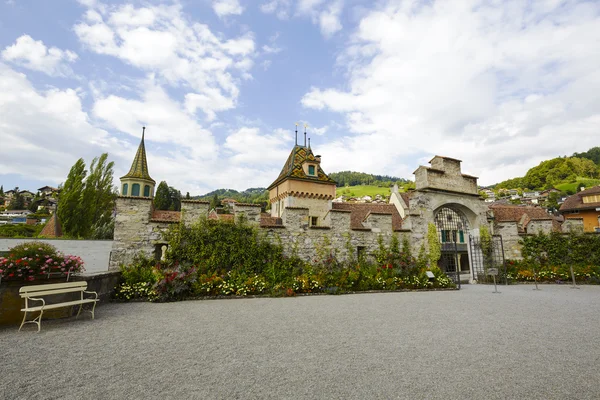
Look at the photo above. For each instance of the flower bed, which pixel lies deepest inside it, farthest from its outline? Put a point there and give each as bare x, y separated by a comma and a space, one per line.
522, 271
34, 261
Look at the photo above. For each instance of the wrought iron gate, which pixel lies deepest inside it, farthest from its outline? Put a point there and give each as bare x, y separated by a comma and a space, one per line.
452, 228
487, 254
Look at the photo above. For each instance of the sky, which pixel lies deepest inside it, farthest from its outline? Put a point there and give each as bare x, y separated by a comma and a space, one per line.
382, 85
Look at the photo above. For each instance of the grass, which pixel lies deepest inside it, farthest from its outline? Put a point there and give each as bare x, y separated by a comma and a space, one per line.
572, 187
362, 190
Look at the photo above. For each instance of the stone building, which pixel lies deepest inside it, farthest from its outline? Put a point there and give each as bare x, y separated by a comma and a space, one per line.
304, 218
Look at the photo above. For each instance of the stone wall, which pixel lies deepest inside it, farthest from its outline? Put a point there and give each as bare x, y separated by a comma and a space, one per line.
94, 253
536, 226
334, 238
510, 239
192, 210
445, 174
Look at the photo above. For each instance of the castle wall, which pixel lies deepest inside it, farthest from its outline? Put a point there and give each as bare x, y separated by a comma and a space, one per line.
337, 238
192, 210
536, 226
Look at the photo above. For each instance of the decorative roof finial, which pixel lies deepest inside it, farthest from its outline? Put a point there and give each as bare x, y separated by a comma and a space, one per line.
296, 134
309, 143
305, 125
143, 131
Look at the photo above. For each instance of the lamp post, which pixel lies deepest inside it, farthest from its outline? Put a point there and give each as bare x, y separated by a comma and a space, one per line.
542, 255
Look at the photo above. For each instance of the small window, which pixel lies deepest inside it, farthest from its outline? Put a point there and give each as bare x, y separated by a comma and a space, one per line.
311, 169
313, 221
125, 188
135, 189
146, 191
360, 251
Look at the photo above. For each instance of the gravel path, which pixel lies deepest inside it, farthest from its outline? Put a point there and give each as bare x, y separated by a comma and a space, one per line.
471, 343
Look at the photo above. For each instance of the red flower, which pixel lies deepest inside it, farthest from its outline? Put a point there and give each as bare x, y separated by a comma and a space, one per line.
30, 278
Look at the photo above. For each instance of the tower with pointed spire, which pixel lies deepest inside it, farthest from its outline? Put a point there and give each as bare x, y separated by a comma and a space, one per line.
137, 182
302, 183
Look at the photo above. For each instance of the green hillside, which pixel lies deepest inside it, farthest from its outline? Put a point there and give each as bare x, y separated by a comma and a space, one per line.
573, 186
364, 190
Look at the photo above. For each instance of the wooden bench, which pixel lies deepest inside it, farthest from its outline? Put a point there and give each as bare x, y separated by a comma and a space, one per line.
36, 292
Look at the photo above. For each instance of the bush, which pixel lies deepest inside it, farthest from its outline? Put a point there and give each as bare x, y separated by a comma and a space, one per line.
213, 258
35, 260
20, 230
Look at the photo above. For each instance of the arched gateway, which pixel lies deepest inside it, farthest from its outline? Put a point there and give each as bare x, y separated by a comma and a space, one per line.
448, 199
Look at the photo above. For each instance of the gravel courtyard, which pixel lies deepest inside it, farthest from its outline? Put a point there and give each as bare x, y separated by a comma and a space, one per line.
453, 345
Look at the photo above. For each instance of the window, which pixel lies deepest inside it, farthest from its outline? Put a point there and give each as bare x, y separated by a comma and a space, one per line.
462, 236
360, 251
146, 191
311, 169
125, 187
313, 221
135, 189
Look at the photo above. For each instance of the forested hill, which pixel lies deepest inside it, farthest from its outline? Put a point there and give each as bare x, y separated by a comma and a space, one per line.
581, 168
352, 178
252, 195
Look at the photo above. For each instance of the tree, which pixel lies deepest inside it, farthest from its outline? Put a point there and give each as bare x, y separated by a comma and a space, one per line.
175, 198
70, 208
99, 198
435, 248
214, 203
86, 205
1, 190
162, 200
187, 196
17, 202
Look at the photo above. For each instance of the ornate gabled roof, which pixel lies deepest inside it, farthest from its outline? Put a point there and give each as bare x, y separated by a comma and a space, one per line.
293, 167
139, 168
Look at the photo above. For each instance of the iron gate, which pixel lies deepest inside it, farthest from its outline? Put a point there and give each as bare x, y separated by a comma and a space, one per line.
485, 254
452, 228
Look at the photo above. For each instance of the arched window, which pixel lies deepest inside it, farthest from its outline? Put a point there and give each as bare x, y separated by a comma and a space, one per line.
125, 187
146, 191
135, 189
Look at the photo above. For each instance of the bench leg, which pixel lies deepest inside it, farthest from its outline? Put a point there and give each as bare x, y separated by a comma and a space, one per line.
23, 323
37, 320
93, 308
79, 312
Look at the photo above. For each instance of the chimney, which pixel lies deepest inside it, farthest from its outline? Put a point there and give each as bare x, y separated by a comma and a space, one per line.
318, 158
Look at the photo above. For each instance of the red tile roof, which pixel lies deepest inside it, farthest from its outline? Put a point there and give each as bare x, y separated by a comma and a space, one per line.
359, 212
514, 213
165, 216
575, 202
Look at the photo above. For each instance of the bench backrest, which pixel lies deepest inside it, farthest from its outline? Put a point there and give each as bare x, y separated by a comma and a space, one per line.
28, 291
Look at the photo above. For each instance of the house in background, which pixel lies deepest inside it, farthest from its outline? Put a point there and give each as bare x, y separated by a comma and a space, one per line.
584, 205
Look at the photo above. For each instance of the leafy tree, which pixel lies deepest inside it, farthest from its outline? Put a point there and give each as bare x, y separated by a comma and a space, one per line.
17, 202
162, 200
70, 207
435, 247
99, 198
187, 196
592, 154
86, 205
215, 202
175, 199
1, 190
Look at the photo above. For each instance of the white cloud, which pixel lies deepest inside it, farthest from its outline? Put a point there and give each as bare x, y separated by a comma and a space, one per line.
324, 13
44, 132
162, 40
249, 146
34, 54
499, 85
224, 8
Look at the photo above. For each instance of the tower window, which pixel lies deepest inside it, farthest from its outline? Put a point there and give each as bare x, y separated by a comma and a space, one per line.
146, 191
313, 221
125, 188
135, 189
311, 169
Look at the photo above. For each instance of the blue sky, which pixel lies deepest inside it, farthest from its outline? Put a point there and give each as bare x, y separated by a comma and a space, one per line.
383, 86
